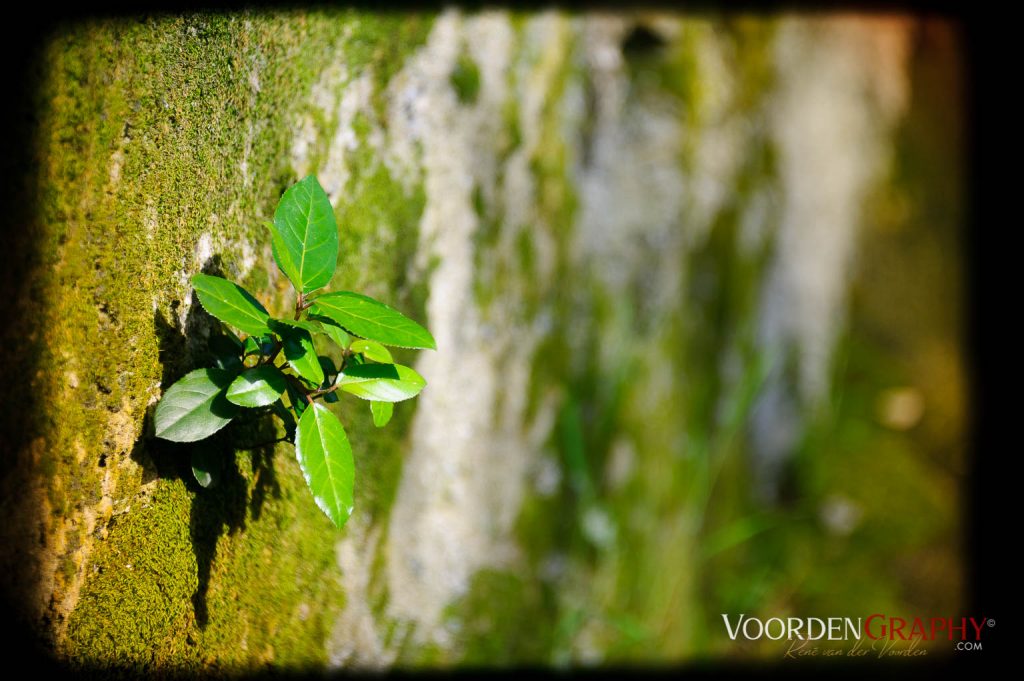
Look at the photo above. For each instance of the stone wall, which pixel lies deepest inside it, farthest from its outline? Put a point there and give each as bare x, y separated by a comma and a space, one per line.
624, 231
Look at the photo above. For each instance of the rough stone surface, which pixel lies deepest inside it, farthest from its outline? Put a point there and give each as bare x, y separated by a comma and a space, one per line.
563, 200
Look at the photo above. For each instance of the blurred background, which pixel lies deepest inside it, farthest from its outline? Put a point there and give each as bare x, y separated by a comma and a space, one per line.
696, 283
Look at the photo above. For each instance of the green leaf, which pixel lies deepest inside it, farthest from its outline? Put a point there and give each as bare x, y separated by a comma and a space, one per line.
333, 331
329, 370
228, 363
235, 340
327, 328
195, 407
382, 382
257, 387
381, 412
281, 256
325, 457
299, 351
252, 346
226, 353
229, 302
226, 350
311, 327
305, 238
259, 345
297, 399
286, 417
364, 316
372, 350
206, 466
222, 344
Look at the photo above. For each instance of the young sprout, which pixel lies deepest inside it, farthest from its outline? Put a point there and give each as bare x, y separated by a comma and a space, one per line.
274, 363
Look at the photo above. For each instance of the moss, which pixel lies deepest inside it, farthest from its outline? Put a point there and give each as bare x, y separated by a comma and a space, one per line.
274, 583
138, 600
155, 132
673, 68
753, 42
511, 618
489, 271
504, 620
377, 453
465, 79
379, 220
193, 577
381, 41
552, 170
526, 252
146, 125
512, 132
624, 602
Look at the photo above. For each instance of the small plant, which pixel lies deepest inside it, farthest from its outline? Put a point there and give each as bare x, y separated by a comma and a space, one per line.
249, 374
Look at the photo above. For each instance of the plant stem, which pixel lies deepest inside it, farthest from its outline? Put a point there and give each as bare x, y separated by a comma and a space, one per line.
322, 391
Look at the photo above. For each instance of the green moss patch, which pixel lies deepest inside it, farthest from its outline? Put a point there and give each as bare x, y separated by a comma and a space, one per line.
164, 143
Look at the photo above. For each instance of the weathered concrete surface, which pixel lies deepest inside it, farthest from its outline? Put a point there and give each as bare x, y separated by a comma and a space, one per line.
618, 228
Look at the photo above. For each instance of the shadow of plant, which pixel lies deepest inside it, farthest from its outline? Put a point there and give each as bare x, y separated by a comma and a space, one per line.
235, 491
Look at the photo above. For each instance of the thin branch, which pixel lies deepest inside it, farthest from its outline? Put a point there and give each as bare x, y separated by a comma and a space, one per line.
323, 391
